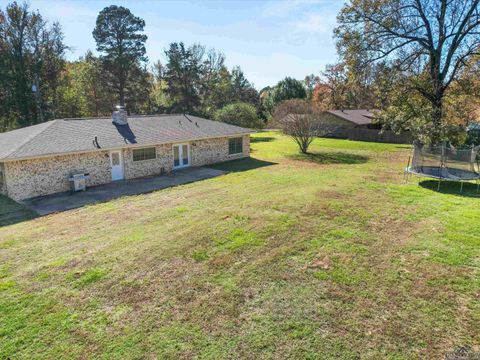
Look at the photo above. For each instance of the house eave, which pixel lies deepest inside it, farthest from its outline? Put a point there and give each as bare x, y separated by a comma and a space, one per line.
127, 146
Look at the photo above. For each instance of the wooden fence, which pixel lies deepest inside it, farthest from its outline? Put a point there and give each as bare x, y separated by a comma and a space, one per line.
373, 135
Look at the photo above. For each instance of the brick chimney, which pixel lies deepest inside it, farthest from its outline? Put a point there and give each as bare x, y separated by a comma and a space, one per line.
120, 116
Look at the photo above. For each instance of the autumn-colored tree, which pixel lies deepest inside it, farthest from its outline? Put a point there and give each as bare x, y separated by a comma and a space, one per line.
300, 121
428, 42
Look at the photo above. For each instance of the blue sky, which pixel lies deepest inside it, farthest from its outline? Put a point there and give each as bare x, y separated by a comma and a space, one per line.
267, 39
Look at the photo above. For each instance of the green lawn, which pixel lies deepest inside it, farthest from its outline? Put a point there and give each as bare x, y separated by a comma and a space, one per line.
328, 255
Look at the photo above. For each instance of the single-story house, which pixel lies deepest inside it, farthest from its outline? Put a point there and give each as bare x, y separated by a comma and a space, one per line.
345, 118
360, 118
360, 124
41, 159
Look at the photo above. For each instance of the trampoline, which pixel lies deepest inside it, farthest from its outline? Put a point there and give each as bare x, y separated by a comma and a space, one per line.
445, 163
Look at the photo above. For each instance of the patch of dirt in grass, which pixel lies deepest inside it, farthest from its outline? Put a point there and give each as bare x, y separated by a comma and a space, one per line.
330, 194
135, 293
221, 260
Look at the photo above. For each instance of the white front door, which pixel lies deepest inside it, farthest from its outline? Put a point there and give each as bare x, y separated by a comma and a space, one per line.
181, 155
116, 163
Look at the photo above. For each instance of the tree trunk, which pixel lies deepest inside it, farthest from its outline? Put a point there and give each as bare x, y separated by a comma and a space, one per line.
121, 87
304, 145
437, 118
121, 93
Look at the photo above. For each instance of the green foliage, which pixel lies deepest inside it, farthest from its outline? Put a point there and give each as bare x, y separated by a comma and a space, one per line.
193, 80
31, 53
285, 89
289, 88
118, 34
183, 72
473, 138
241, 114
410, 111
198, 82
427, 45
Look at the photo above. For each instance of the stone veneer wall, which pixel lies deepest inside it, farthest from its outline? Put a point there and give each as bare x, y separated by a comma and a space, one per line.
43, 176
135, 169
212, 151
37, 177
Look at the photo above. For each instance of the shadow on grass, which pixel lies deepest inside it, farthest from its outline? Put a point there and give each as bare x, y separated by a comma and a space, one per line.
12, 212
330, 158
451, 188
262, 139
244, 164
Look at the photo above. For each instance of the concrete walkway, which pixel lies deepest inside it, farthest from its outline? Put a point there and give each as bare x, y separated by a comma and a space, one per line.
64, 201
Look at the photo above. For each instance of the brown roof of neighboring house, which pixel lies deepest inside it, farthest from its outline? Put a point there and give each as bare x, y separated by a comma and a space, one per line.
358, 117
78, 135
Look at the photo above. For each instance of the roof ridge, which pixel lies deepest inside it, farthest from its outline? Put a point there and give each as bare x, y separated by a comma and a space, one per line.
130, 116
32, 136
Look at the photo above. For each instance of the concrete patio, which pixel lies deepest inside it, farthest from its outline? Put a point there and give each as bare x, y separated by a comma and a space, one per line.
64, 201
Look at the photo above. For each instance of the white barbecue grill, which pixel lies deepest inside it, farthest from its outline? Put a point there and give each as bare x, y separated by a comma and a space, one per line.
79, 181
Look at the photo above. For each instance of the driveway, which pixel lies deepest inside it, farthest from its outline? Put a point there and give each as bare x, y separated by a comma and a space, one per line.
44, 205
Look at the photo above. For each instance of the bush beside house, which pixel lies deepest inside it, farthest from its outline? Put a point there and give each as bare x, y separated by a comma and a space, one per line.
240, 114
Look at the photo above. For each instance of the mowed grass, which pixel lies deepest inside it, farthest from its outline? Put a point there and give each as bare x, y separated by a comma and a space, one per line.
321, 256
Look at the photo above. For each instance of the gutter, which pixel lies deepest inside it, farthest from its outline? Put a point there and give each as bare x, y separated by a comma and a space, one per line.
130, 146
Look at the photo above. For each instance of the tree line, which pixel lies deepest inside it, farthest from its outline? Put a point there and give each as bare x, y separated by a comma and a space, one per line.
38, 84
417, 61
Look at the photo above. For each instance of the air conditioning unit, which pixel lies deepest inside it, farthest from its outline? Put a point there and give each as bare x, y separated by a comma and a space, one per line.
79, 181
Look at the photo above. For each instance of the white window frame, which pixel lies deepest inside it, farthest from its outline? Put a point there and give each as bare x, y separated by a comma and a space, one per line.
143, 148
180, 145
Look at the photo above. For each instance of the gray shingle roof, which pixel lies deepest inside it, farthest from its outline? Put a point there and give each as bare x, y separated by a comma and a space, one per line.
358, 117
77, 135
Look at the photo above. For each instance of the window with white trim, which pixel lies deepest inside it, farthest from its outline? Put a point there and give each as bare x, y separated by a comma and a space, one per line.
235, 146
144, 154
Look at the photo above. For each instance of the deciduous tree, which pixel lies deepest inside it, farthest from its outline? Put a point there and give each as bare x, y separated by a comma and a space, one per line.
31, 60
430, 41
299, 120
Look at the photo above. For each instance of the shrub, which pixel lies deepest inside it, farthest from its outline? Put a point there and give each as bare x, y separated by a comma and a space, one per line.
240, 114
299, 120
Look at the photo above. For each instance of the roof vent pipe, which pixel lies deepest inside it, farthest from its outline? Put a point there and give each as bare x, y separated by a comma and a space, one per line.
119, 116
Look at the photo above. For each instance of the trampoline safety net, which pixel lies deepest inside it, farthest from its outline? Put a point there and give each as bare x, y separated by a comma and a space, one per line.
445, 163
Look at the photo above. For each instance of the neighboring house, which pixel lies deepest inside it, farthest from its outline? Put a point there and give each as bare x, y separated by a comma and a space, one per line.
360, 125
40, 159
360, 118
345, 118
